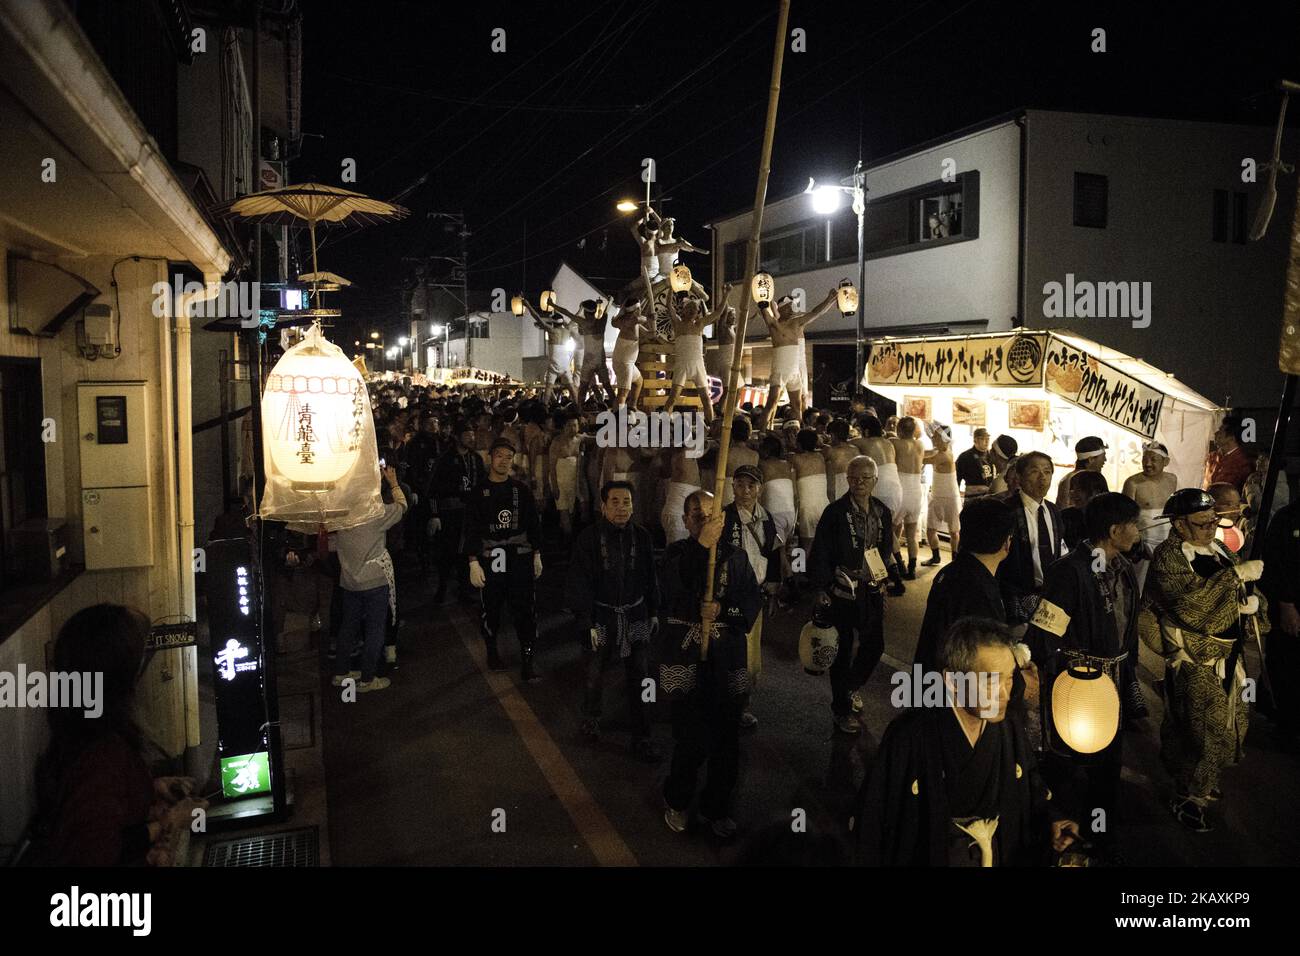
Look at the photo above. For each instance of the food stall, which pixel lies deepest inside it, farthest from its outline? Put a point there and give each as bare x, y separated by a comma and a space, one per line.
1047, 389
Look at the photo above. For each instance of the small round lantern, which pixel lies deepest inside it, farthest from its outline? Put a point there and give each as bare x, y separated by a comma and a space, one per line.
313, 409
848, 297
763, 288
547, 301
601, 308
517, 305
681, 279
1085, 708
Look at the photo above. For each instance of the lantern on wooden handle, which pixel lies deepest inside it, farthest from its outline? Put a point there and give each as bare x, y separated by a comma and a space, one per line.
517, 305
681, 279
314, 408
548, 301
763, 288
601, 307
1085, 708
847, 295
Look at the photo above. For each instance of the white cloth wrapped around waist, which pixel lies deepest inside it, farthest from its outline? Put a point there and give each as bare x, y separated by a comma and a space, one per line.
1155, 527
778, 495
945, 485
812, 492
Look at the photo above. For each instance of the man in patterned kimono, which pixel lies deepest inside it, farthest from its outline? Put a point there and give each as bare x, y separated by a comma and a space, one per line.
1197, 614
707, 692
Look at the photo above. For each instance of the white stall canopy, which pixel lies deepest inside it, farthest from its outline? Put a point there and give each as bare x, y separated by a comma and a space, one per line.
1047, 389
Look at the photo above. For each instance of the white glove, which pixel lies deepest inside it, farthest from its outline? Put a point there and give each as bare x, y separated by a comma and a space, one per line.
476, 575
434, 526
1250, 570
1250, 606
537, 565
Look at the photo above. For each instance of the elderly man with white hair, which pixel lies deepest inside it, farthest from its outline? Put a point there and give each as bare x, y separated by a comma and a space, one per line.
851, 558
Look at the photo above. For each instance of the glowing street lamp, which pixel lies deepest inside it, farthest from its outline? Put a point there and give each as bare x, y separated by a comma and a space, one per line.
374, 335
826, 199
627, 205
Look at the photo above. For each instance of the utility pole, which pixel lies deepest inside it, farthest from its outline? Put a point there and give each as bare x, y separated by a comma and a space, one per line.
459, 273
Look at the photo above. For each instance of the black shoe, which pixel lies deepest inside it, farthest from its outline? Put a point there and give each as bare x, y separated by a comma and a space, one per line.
527, 672
897, 589
494, 661
910, 573
935, 561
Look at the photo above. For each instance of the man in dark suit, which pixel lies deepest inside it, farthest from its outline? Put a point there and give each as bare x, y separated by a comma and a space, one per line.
967, 587
1089, 606
1038, 539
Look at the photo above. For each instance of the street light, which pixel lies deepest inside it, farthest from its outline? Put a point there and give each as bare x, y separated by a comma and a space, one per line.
627, 205
827, 200
374, 335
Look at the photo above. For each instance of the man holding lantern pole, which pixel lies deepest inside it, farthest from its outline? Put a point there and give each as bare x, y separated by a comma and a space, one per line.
788, 359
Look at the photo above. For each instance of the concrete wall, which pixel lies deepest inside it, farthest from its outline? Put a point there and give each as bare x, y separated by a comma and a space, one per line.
152, 589
502, 351
1216, 307
955, 282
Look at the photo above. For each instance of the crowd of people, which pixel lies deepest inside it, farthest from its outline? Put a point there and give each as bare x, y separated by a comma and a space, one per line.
821, 508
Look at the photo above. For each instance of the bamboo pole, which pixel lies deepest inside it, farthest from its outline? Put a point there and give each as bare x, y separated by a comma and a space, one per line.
751, 267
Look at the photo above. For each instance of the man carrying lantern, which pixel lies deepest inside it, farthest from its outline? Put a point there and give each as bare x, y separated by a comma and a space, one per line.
556, 328
688, 352
1088, 616
503, 535
1197, 613
594, 372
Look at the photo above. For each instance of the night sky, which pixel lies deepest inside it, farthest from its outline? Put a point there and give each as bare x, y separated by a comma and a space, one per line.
535, 145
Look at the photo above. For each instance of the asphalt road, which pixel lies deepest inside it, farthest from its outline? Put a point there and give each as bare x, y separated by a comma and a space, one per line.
453, 765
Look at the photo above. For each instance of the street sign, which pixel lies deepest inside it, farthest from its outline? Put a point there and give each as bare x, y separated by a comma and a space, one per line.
165, 636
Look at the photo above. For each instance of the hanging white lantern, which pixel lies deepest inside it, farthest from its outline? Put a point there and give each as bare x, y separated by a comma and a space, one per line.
681, 279
601, 307
763, 288
848, 297
1085, 708
819, 643
314, 412
517, 305
547, 301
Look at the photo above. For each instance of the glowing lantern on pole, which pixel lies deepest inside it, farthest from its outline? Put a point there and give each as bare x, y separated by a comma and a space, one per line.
848, 297
601, 307
763, 288
1085, 708
547, 301
681, 279
517, 305
313, 406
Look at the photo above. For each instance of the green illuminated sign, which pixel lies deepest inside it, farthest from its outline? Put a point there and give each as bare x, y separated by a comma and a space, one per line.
246, 774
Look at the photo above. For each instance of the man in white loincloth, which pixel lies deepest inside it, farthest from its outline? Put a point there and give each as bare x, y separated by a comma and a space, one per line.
1151, 488
909, 454
688, 353
789, 364
556, 328
838, 455
594, 366
724, 336
562, 459
945, 498
880, 449
810, 482
627, 347
684, 481
777, 495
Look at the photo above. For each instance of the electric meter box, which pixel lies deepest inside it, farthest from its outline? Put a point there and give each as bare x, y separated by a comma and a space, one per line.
116, 497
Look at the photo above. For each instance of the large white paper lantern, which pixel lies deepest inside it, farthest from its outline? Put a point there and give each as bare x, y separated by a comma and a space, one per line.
547, 301
762, 289
517, 305
313, 414
1085, 708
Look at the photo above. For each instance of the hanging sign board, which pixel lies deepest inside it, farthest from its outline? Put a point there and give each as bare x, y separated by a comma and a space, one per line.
1012, 360
1092, 384
164, 636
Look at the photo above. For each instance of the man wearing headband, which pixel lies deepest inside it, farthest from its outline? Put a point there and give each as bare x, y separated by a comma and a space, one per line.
688, 352
1151, 488
1090, 455
594, 367
786, 328
627, 347
556, 328
945, 500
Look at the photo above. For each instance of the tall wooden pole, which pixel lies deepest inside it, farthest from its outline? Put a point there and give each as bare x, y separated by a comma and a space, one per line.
751, 267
